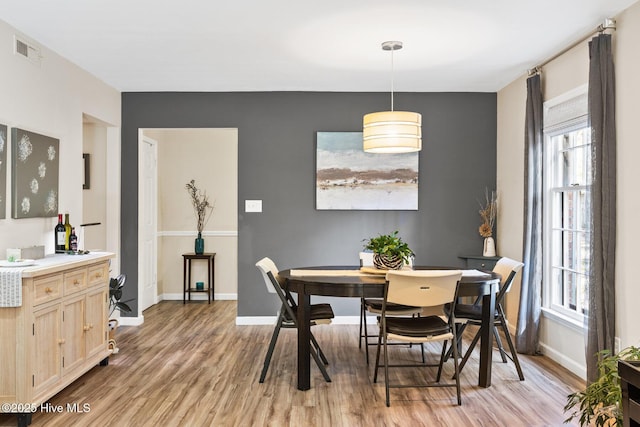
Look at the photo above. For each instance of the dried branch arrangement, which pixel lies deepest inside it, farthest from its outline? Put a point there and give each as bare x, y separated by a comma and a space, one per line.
488, 212
201, 205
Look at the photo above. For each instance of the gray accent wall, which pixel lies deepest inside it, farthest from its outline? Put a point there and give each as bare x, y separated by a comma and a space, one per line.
276, 164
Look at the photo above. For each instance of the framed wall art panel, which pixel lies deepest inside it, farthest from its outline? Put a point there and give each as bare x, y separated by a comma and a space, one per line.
347, 178
34, 174
3, 171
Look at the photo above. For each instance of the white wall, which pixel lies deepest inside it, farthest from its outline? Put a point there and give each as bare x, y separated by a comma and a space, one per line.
559, 339
51, 99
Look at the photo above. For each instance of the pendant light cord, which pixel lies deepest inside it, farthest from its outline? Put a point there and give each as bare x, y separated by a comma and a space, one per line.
392, 79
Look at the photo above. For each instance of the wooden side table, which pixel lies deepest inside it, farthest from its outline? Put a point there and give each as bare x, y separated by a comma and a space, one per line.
187, 288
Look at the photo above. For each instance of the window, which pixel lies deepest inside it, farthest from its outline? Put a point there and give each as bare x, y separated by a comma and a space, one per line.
567, 204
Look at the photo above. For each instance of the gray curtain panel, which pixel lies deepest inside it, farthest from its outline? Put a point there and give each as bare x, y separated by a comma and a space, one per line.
601, 305
530, 293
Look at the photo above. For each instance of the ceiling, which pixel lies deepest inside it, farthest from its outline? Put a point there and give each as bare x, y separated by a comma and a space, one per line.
301, 45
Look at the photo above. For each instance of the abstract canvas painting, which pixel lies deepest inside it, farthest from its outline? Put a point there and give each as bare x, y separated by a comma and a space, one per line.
347, 178
34, 166
3, 171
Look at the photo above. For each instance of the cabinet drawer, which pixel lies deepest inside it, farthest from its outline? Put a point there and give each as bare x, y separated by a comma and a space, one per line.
47, 288
481, 264
75, 280
98, 273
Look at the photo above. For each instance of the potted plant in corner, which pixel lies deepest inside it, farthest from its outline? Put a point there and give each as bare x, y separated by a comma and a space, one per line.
389, 251
115, 295
599, 403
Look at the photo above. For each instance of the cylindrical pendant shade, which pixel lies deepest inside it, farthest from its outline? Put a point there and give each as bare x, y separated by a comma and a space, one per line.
392, 132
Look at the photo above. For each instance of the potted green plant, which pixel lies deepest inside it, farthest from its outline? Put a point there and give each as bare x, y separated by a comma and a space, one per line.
115, 295
390, 252
599, 402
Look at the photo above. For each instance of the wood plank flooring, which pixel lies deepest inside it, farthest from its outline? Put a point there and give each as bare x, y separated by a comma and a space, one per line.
190, 365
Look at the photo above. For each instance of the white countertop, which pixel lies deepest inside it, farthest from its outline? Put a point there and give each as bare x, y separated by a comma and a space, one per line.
58, 262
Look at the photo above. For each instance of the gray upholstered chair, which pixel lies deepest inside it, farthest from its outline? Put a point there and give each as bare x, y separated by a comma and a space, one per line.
320, 314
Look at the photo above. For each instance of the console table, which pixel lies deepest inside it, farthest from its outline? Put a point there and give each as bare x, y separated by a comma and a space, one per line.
56, 333
480, 262
186, 275
630, 383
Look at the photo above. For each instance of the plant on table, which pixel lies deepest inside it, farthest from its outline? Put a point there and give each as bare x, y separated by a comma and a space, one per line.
389, 251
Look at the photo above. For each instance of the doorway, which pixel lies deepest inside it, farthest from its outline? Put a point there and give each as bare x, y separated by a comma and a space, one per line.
210, 158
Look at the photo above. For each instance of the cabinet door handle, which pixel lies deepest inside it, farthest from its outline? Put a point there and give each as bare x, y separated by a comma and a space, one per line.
76, 282
48, 290
61, 341
86, 327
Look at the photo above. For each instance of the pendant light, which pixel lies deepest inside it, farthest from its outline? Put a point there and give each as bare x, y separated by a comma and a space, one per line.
392, 131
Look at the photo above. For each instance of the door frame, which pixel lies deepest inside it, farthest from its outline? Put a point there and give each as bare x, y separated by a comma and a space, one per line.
144, 258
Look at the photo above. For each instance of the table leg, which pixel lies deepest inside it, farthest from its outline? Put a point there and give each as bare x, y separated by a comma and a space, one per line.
486, 338
304, 339
189, 279
184, 281
209, 284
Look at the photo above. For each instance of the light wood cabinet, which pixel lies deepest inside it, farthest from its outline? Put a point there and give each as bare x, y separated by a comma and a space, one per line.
59, 332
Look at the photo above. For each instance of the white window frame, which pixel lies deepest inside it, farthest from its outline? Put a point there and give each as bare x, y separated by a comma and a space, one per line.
563, 114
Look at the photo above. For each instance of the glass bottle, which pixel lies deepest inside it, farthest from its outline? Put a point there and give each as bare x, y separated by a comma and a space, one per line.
59, 234
67, 231
73, 240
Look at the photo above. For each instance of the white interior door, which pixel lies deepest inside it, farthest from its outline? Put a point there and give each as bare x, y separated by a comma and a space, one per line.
148, 224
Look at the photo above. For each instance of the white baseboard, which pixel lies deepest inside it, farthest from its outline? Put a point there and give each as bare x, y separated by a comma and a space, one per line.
271, 320
561, 359
197, 296
255, 320
131, 321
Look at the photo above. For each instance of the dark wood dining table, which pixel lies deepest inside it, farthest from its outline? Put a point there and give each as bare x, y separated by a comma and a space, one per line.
348, 281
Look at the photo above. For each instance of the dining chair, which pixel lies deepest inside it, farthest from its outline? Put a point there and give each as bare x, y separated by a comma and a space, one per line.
425, 288
374, 306
471, 314
320, 314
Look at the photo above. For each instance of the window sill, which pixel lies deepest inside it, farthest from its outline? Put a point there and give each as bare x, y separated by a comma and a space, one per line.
563, 320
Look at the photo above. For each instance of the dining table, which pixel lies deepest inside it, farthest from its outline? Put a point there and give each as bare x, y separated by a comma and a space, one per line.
352, 281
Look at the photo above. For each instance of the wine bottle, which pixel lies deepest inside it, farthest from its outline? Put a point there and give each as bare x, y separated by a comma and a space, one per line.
73, 240
67, 231
60, 235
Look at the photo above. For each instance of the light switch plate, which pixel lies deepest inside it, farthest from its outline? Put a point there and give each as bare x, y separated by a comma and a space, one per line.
253, 205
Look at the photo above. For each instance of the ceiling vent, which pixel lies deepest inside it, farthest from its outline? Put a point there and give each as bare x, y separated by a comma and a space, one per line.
27, 50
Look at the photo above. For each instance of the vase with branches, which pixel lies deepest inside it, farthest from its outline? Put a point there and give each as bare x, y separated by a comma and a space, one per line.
488, 211
203, 209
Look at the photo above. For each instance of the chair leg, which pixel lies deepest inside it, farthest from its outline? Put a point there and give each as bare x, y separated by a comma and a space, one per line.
386, 371
473, 344
442, 356
375, 373
456, 367
514, 353
461, 329
499, 344
362, 319
319, 350
320, 365
272, 345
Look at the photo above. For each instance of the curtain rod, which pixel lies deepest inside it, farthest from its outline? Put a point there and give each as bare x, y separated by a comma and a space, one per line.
608, 24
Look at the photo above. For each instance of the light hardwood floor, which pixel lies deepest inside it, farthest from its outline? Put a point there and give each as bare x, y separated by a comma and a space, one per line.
190, 365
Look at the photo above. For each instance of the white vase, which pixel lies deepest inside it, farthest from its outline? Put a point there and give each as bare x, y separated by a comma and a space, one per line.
489, 247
